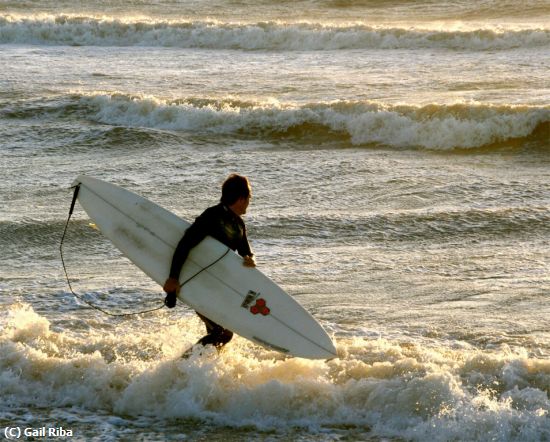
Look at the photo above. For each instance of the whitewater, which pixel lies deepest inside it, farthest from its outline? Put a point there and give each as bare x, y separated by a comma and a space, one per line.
399, 159
280, 36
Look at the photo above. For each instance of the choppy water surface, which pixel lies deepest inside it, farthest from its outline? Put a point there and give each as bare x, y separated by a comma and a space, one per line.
399, 157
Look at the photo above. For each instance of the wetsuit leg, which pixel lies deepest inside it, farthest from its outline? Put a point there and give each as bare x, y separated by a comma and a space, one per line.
216, 334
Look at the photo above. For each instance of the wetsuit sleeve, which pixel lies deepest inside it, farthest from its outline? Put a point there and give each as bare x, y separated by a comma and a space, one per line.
192, 237
244, 246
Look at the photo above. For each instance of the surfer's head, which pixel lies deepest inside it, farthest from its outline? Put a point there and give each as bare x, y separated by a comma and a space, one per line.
236, 193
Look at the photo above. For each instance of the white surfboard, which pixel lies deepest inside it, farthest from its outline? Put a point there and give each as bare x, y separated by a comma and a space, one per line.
239, 298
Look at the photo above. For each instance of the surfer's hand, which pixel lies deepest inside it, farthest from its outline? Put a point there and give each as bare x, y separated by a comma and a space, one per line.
170, 300
171, 285
248, 261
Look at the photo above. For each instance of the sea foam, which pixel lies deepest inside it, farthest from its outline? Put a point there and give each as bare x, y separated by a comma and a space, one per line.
381, 387
278, 36
439, 127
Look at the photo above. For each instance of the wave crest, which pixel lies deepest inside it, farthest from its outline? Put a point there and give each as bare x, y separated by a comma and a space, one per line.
359, 123
107, 31
439, 127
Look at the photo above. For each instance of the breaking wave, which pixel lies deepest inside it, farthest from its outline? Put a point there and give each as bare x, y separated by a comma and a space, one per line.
359, 123
439, 127
279, 36
376, 387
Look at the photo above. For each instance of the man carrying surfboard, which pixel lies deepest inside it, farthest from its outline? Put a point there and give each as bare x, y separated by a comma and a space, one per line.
224, 223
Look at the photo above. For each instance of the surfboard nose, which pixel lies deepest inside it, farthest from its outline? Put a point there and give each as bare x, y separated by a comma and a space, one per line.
330, 350
325, 354
325, 348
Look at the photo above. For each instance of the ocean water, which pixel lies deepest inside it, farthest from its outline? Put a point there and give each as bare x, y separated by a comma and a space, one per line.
399, 153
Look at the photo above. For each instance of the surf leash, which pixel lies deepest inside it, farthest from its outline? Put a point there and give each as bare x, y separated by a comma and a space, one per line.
205, 268
80, 298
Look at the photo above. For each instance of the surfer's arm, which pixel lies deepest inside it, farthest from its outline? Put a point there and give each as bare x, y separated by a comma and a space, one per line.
192, 237
180, 255
245, 251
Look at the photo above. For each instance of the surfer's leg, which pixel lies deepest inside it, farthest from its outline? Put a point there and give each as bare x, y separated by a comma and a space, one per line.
216, 334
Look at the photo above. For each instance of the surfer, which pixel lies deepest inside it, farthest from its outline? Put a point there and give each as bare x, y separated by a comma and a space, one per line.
223, 222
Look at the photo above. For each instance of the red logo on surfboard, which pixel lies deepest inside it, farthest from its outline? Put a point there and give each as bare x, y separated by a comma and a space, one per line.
260, 307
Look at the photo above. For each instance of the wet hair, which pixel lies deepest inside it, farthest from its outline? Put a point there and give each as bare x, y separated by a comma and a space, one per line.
234, 188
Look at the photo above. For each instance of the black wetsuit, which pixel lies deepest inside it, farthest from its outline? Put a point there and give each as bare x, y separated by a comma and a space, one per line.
227, 227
